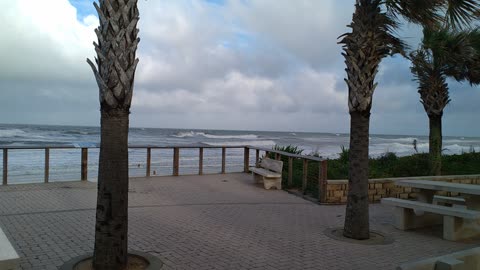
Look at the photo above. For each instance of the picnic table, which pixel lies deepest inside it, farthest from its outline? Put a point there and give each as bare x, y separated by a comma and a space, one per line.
458, 222
428, 188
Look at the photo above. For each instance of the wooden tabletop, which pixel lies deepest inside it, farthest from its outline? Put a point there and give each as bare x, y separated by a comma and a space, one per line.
441, 186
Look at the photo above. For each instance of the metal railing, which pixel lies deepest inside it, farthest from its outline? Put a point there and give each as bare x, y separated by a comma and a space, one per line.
313, 169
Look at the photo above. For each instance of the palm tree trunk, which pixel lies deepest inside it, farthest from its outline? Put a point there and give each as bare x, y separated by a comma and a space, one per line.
356, 218
434, 96
111, 227
435, 146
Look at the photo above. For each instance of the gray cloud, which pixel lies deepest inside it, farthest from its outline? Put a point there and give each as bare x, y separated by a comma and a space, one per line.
263, 64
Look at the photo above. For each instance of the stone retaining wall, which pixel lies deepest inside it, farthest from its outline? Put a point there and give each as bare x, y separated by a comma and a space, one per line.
337, 190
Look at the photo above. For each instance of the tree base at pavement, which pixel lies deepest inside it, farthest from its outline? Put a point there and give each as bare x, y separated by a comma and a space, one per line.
376, 238
136, 261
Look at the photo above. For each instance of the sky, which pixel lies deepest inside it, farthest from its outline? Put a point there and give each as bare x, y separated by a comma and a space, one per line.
212, 64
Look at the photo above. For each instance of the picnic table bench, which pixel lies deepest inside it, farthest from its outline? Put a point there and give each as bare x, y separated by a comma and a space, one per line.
9, 259
460, 216
465, 259
269, 173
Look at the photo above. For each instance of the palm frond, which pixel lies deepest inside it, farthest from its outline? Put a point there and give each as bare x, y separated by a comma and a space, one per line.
430, 13
460, 12
424, 12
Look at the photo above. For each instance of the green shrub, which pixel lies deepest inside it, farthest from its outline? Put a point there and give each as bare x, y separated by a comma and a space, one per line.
289, 149
386, 165
390, 165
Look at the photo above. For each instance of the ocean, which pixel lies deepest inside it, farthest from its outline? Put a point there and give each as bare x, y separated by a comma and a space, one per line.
27, 166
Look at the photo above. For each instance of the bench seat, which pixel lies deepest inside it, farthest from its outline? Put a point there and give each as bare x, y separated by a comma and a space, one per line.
449, 201
9, 259
269, 173
465, 259
458, 223
433, 208
265, 173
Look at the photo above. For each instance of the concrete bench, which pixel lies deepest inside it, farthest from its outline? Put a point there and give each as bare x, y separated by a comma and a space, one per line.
449, 201
458, 223
463, 260
9, 259
269, 173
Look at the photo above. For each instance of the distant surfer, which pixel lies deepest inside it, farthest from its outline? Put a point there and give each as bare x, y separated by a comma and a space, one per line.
414, 143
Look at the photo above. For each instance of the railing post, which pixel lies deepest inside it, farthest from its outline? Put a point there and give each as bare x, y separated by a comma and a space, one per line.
257, 157
149, 161
84, 173
322, 182
246, 160
47, 165
278, 156
200, 161
224, 154
176, 161
5, 166
305, 175
290, 172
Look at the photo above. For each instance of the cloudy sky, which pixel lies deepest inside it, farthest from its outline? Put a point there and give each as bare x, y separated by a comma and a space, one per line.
211, 64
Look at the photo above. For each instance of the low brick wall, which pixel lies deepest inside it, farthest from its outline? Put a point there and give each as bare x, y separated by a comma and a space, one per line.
337, 190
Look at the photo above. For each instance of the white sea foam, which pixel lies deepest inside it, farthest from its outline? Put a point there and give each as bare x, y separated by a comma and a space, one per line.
12, 133
187, 134
407, 149
266, 143
211, 136
245, 137
458, 149
399, 140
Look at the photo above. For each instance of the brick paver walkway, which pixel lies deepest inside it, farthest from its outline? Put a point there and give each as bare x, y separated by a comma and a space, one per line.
204, 222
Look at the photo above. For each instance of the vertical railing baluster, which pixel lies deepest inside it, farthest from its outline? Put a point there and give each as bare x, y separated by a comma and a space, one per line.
257, 157
47, 165
224, 154
5, 166
305, 175
290, 172
200, 161
149, 161
278, 156
246, 160
322, 182
84, 170
176, 161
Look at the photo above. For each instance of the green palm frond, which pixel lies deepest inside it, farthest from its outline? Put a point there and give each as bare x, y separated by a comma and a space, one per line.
452, 13
449, 51
424, 12
473, 63
460, 12
444, 53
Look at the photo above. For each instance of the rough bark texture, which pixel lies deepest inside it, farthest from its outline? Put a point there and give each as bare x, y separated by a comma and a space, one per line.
116, 50
116, 61
435, 146
356, 217
364, 48
111, 227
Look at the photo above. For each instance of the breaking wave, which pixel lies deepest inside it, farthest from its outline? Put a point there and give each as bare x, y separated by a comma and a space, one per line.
12, 133
190, 134
266, 143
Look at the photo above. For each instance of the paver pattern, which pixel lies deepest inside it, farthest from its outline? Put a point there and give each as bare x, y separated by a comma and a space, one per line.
205, 222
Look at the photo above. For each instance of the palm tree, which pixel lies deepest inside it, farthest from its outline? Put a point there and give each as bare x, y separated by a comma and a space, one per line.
442, 53
116, 61
372, 38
